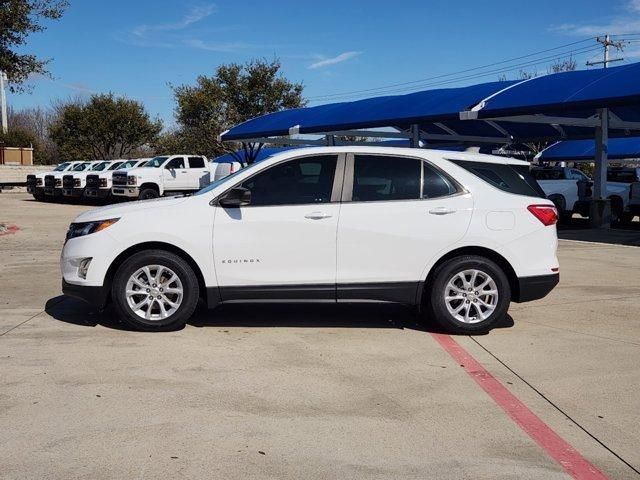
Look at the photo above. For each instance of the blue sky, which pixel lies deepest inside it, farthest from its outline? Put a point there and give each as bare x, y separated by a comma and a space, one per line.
136, 48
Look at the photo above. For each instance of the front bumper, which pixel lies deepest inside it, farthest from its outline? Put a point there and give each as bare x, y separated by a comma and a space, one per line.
535, 288
126, 191
95, 296
53, 191
72, 192
97, 192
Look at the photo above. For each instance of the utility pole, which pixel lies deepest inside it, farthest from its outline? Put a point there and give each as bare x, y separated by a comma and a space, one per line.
607, 43
3, 102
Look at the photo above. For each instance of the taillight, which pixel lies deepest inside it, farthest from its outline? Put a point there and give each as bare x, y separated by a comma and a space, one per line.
547, 214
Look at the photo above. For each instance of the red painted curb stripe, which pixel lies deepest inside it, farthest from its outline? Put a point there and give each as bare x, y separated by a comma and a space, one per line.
10, 229
563, 453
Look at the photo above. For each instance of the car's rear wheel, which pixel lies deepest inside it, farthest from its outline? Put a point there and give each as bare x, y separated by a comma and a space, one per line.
155, 290
468, 294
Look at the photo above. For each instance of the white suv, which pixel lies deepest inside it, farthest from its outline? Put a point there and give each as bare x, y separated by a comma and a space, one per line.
459, 234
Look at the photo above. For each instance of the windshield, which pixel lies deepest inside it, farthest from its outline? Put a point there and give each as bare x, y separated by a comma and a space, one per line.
219, 182
80, 167
62, 167
98, 167
125, 165
114, 166
156, 162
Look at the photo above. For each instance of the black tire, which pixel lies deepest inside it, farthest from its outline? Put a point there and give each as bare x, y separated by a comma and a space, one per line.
617, 210
435, 294
148, 193
40, 197
165, 259
559, 201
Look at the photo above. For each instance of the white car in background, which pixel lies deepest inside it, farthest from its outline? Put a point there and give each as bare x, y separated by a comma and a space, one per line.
163, 175
99, 184
458, 235
35, 181
73, 184
53, 181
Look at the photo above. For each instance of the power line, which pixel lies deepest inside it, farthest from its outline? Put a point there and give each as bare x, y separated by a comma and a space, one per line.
417, 87
482, 67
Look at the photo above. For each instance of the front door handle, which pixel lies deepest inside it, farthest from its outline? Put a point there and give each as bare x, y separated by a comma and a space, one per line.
317, 215
441, 211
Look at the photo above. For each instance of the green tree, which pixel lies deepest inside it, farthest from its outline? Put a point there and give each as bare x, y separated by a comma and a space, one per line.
19, 19
104, 127
235, 93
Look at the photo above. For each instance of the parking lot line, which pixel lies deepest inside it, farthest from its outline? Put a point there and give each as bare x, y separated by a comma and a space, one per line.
563, 453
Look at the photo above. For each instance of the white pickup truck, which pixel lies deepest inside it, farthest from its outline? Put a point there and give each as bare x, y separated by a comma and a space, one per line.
163, 175
627, 178
35, 181
99, 183
560, 184
74, 183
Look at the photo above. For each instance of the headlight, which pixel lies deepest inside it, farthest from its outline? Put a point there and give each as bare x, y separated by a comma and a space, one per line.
103, 182
39, 182
76, 182
87, 228
131, 180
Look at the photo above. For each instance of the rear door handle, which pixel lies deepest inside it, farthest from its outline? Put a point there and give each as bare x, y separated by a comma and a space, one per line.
441, 211
317, 215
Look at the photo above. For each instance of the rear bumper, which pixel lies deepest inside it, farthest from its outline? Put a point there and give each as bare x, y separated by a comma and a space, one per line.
535, 288
95, 296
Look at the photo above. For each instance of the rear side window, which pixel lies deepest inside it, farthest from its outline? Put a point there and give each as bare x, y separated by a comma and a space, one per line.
436, 184
196, 162
622, 176
382, 178
516, 179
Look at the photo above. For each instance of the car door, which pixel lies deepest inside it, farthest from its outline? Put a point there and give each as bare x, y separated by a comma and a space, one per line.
198, 175
398, 213
282, 245
175, 174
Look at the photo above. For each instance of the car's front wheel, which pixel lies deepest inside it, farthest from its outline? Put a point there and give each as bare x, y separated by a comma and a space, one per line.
469, 294
155, 290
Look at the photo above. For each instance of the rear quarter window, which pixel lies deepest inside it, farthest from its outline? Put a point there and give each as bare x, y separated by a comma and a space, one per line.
515, 179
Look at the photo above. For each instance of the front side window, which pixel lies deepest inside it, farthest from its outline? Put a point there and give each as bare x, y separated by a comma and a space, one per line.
382, 178
175, 163
196, 162
301, 181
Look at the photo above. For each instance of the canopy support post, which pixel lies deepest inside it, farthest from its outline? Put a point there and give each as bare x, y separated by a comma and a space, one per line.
331, 140
600, 211
415, 136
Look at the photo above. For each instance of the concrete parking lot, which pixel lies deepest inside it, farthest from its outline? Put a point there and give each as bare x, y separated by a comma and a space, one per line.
315, 392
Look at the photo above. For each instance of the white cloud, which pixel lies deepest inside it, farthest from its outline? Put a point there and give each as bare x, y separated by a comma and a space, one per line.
223, 47
624, 22
194, 15
343, 57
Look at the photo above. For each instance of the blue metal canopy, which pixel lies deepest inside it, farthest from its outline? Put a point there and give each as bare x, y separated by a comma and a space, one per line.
391, 111
551, 107
576, 150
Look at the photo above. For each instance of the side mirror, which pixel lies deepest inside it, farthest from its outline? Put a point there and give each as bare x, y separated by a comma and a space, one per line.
236, 197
